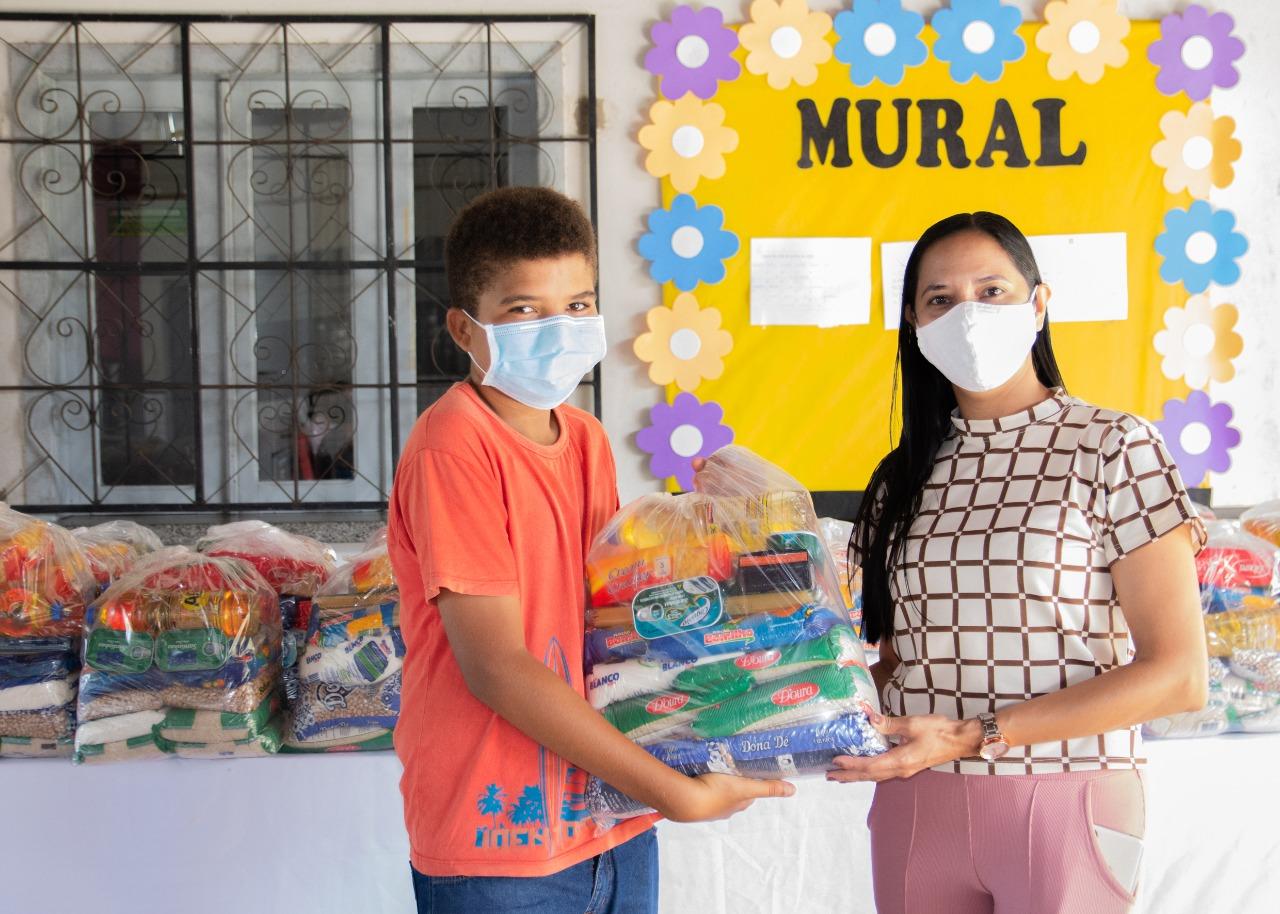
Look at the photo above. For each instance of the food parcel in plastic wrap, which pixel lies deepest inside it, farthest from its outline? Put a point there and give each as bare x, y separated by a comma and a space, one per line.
717, 636
1239, 585
294, 567
348, 670
45, 584
181, 657
111, 548
1263, 522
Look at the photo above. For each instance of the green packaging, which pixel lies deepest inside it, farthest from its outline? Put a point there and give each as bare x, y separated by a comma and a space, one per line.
782, 697
640, 716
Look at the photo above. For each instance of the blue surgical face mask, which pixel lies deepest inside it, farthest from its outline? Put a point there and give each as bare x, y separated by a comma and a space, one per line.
540, 363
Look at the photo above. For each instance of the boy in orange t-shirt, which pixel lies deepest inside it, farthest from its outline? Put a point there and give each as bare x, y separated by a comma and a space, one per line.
499, 492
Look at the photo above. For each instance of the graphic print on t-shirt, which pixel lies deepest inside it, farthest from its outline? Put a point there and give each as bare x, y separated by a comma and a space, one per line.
529, 819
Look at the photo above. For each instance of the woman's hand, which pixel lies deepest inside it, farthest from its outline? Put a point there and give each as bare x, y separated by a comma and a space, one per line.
923, 741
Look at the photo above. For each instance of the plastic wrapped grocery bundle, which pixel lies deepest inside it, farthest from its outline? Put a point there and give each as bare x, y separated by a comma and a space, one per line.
348, 668
180, 632
367, 572
1244, 697
291, 564
718, 637
1263, 522
1239, 590
1235, 565
45, 581
38, 680
111, 548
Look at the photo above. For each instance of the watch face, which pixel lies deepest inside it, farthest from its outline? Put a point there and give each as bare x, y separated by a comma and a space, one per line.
993, 751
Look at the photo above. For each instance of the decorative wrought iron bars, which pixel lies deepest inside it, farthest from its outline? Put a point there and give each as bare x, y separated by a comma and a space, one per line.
221, 257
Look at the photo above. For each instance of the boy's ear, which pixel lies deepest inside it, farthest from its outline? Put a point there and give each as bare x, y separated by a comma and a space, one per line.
460, 328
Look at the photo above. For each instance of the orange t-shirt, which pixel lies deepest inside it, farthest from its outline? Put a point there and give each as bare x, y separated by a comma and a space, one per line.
477, 508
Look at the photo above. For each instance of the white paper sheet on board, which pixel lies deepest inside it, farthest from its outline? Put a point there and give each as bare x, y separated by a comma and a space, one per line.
1088, 273
810, 282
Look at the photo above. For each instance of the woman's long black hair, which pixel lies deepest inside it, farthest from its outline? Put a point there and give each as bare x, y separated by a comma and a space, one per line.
893, 495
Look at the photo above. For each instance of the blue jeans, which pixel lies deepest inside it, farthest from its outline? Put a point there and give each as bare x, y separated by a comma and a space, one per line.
619, 881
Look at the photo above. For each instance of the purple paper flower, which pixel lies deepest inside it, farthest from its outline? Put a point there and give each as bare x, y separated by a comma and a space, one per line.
692, 52
678, 433
1199, 435
1195, 52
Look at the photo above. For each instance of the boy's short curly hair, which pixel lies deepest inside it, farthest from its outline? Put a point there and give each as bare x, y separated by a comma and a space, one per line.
506, 225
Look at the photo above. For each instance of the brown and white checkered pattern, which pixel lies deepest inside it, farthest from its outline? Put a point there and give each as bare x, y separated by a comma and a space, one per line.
1004, 590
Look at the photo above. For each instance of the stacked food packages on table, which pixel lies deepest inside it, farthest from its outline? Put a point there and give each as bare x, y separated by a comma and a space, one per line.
181, 657
348, 669
294, 566
1239, 575
45, 584
718, 637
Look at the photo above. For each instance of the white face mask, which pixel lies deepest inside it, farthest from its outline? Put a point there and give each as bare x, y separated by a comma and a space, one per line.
979, 346
540, 363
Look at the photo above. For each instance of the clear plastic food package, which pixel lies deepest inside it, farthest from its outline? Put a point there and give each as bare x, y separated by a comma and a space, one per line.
45, 581
717, 635
1244, 697
180, 632
1263, 522
111, 548
347, 695
1239, 590
291, 564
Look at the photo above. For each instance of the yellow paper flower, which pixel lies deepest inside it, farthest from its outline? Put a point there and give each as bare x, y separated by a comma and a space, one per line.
1198, 342
687, 140
1197, 151
786, 42
685, 344
1083, 38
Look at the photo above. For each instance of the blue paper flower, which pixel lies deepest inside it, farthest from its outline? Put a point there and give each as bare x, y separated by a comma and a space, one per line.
978, 37
879, 40
686, 244
1199, 246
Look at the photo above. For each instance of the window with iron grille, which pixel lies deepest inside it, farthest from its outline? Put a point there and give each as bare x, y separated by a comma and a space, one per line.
221, 255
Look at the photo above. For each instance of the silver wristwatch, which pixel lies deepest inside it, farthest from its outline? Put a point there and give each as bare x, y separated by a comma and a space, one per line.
994, 745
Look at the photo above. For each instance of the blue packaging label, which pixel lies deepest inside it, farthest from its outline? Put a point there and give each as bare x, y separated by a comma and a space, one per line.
682, 606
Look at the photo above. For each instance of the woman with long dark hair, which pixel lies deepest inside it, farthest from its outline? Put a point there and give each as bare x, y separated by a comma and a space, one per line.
1028, 571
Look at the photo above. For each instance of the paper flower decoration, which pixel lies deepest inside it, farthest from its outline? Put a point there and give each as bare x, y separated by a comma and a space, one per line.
1196, 52
879, 40
1083, 38
1198, 342
785, 42
686, 244
678, 433
1199, 436
687, 140
1197, 152
1199, 246
692, 52
685, 344
977, 38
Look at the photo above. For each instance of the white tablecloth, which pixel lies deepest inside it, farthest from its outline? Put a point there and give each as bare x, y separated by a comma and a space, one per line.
324, 835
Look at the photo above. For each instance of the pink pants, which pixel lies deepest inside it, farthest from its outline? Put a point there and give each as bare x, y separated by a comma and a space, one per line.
1008, 844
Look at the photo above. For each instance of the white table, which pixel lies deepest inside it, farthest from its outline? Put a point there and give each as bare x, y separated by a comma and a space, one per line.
321, 834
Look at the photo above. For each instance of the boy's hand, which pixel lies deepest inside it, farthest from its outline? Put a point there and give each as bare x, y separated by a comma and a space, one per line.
719, 796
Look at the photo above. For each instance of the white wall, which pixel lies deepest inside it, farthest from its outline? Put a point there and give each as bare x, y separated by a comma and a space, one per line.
627, 194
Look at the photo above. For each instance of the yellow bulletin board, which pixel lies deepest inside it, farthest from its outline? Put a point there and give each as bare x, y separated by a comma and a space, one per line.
817, 401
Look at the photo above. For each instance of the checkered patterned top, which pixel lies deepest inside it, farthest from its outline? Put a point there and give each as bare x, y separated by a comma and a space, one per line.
1004, 590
